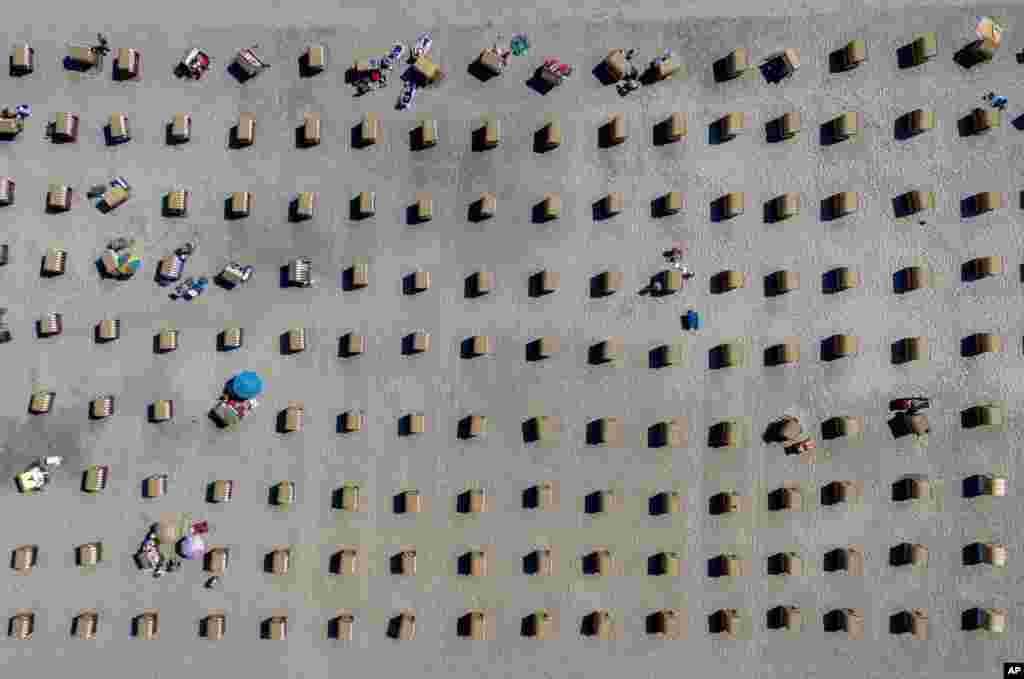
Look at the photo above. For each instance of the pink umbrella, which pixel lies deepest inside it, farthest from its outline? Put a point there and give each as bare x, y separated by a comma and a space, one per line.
192, 547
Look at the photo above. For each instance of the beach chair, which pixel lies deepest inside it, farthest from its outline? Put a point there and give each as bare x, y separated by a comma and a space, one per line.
304, 205
846, 126
985, 484
785, 499
538, 625
615, 65
216, 561
245, 130
612, 204
910, 349
919, 121
409, 502
982, 416
65, 127
345, 562
785, 206
480, 283
167, 341
784, 617
402, 627
907, 554
314, 59
674, 127
95, 478
917, 201
277, 628
785, 563
24, 558
6, 191
294, 416
478, 345
911, 488
85, 625
550, 136
490, 134
413, 424
848, 621
58, 198
213, 626
147, 625
283, 493
725, 566
369, 130
353, 344
55, 262
838, 492
852, 55
176, 203
727, 281
607, 350
731, 125
180, 128
350, 498
987, 201
22, 625
788, 125
41, 402
615, 130
50, 325
725, 622
154, 486
417, 282
544, 282
417, 343
732, 205
924, 48
310, 129
300, 272
608, 282
359, 276
725, 503
128, 63
352, 422
89, 554
672, 203
240, 204
426, 134
551, 206
118, 129
733, 65
108, 330
23, 60
423, 208
847, 559
982, 267
366, 204
781, 282
983, 120
222, 491
101, 408
843, 204
981, 343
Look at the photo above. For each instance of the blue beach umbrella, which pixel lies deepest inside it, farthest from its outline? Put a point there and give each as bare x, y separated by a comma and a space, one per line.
246, 385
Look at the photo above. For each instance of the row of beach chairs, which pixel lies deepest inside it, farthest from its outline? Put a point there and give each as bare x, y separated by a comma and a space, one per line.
480, 283
303, 206
482, 624
487, 134
313, 60
601, 561
545, 495
609, 351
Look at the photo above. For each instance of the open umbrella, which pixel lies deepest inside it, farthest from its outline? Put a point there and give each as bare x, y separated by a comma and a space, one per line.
192, 547
246, 385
